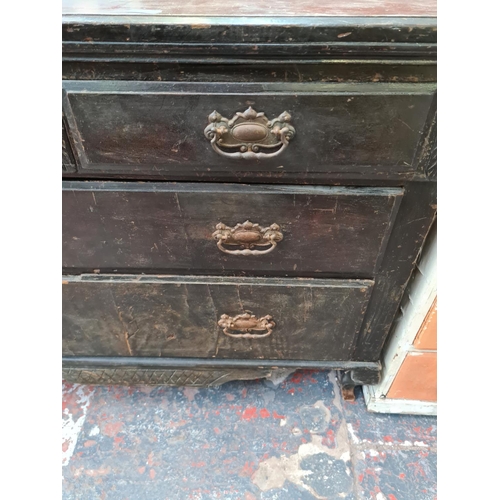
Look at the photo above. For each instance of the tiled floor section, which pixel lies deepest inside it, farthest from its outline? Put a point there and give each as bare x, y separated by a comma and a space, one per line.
293, 439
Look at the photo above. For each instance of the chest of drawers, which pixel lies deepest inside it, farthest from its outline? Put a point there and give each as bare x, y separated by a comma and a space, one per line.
242, 194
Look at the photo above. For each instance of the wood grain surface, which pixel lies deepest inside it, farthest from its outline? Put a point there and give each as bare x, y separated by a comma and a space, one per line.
157, 127
401, 8
175, 316
168, 227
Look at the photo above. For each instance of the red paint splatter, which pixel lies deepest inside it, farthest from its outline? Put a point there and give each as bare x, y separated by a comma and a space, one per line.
65, 446
112, 429
217, 430
152, 473
418, 471
388, 439
248, 469
297, 377
141, 470
371, 472
291, 391
230, 397
264, 413
275, 415
360, 477
390, 496
98, 472
249, 413
198, 464
244, 393
303, 376
250, 496
402, 475
89, 443
329, 439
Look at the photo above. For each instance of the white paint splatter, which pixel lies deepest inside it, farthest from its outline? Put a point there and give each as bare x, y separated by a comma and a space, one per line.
94, 431
354, 438
381, 496
70, 427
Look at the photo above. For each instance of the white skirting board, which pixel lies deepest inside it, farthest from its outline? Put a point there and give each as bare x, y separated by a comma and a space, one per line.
418, 300
408, 406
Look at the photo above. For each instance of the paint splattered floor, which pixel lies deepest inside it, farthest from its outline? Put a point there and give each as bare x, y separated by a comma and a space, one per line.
291, 439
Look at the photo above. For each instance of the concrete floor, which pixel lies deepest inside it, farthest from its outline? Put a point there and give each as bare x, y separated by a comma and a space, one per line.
291, 439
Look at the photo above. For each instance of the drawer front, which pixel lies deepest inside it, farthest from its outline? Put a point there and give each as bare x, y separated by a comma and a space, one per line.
237, 318
159, 128
200, 228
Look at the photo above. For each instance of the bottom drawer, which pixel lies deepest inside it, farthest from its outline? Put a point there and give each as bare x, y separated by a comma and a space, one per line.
212, 317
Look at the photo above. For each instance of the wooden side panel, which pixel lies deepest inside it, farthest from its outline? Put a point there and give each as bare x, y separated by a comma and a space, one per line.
178, 317
415, 217
417, 378
427, 335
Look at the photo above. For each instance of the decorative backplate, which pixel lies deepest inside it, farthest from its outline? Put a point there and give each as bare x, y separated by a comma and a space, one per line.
247, 236
247, 323
249, 132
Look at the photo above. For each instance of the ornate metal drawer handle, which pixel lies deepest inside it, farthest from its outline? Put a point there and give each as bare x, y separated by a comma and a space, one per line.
247, 236
249, 132
246, 323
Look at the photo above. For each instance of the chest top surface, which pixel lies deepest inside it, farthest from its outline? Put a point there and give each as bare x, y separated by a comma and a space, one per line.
260, 8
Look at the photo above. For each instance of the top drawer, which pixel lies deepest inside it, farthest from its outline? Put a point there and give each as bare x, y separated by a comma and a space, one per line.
159, 129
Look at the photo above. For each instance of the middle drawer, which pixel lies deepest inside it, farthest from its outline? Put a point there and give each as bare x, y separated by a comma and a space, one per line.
225, 228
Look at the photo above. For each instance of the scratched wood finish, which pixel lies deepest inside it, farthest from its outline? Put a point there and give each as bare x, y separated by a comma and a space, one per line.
400, 8
168, 227
171, 69
137, 82
157, 128
87, 38
68, 160
173, 316
415, 216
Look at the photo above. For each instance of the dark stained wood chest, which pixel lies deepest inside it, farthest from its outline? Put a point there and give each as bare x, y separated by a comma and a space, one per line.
242, 194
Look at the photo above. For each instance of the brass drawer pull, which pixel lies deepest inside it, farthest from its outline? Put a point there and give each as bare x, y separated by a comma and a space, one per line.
249, 132
247, 323
247, 235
